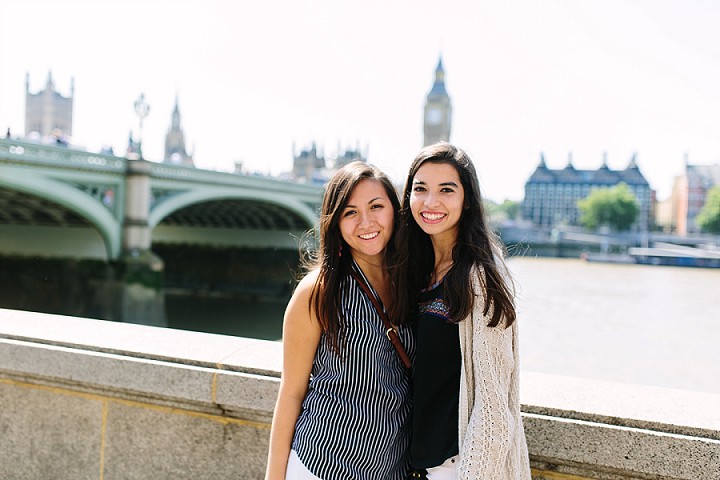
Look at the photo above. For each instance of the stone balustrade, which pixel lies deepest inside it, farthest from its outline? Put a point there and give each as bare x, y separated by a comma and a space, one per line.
91, 399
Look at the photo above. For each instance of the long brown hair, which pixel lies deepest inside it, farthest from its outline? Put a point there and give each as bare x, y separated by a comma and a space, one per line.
332, 258
477, 246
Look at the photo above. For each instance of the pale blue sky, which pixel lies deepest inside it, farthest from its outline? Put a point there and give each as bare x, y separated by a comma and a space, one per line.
524, 77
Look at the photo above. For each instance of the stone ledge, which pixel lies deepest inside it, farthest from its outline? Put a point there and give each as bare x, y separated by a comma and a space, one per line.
155, 350
627, 451
130, 377
215, 373
221, 352
673, 411
576, 428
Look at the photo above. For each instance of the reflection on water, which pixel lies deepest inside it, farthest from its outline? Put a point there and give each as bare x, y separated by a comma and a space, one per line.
627, 323
229, 316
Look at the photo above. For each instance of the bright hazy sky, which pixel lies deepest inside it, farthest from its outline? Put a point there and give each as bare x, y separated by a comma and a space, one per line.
255, 78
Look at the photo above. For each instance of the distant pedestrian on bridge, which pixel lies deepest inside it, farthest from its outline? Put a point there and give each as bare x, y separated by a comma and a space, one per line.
344, 402
452, 281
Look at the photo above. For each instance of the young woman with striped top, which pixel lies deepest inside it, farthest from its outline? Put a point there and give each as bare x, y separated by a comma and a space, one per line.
452, 280
344, 403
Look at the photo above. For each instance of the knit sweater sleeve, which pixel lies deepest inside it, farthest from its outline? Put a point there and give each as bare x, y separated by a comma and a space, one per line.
488, 439
492, 444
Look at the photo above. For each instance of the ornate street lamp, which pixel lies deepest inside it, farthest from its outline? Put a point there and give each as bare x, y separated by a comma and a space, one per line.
141, 110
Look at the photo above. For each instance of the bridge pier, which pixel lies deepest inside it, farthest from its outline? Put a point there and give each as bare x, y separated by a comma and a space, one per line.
141, 270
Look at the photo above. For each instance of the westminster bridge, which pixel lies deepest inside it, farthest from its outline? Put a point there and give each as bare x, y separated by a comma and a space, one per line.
116, 230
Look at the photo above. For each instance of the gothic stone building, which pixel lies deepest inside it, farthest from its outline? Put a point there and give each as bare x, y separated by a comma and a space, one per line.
310, 165
438, 110
47, 112
175, 151
551, 196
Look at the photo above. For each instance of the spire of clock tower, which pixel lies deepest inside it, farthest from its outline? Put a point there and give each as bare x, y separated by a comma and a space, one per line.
175, 141
438, 87
438, 110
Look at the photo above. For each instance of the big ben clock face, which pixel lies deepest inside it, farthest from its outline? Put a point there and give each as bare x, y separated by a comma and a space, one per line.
434, 116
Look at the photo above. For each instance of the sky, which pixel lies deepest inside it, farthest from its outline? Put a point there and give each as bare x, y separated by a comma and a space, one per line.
258, 81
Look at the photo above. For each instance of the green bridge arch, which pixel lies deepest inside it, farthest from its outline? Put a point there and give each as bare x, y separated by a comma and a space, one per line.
201, 195
69, 197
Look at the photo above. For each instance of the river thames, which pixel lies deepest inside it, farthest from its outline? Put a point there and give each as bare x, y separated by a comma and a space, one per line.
627, 323
640, 324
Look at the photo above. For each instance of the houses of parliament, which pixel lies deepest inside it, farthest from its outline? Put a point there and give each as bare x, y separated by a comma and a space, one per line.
49, 115
551, 195
311, 165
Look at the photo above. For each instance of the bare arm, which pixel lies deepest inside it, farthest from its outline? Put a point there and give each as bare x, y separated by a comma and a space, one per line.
301, 335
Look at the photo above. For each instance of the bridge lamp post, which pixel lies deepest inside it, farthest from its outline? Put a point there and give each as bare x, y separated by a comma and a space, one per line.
141, 110
141, 270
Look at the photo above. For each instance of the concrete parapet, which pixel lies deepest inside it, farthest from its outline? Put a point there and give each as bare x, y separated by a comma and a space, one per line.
94, 399
606, 430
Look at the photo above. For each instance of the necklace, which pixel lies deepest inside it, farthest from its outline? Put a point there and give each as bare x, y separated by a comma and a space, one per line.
440, 270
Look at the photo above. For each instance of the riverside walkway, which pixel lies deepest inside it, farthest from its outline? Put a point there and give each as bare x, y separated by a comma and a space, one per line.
91, 399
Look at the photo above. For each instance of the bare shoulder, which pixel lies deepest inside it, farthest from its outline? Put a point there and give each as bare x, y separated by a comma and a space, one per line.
305, 286
299, 308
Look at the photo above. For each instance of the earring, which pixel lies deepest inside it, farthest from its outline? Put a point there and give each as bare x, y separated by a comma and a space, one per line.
340, 252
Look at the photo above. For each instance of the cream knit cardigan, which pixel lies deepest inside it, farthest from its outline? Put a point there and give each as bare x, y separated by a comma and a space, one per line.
491, 436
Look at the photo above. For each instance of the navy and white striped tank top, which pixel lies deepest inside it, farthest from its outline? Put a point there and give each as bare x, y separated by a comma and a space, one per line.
354, 422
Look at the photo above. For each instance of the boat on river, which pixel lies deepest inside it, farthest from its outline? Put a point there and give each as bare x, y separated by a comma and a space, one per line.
705, 256
668, 254
603, 257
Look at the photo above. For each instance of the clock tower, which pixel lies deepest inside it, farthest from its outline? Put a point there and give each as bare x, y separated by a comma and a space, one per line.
175, 142
438, 110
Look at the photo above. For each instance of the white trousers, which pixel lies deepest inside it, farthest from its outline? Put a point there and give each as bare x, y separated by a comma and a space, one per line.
296, 470
446, 471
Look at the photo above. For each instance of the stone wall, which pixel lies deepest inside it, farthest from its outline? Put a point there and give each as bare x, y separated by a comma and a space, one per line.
92, 399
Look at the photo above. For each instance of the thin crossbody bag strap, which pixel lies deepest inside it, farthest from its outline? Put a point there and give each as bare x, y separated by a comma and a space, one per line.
390, 330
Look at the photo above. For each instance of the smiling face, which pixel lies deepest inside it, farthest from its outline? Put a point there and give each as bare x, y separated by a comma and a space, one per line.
436, 200
366, 223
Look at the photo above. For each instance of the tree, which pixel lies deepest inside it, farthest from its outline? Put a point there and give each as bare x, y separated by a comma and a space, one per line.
709, 217
615, 207
511, 209
498, 214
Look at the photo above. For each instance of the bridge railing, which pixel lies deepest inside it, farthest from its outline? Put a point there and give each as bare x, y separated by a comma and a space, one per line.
24, 151
97, 399
40, 153
179, 172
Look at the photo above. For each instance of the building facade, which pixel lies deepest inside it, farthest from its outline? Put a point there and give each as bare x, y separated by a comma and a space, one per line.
551, 195
311, 165
47, 112
308, 163
689, 193
437, 118
175, 151
348, 155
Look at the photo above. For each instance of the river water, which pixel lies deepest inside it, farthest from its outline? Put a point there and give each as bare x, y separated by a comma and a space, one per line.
627, 323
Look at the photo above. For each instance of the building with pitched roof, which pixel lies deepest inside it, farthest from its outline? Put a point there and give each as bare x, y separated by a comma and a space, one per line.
551, 195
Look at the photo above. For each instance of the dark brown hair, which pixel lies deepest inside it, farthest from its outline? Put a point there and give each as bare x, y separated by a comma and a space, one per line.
332, 258
477, 247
